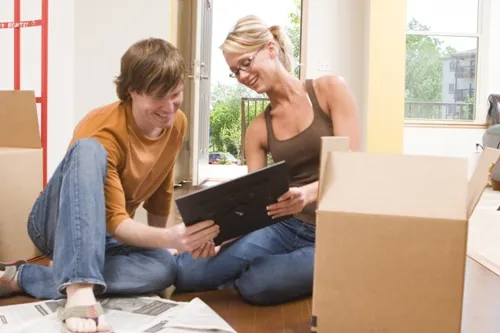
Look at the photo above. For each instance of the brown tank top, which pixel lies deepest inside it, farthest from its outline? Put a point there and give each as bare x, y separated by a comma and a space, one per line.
301, 152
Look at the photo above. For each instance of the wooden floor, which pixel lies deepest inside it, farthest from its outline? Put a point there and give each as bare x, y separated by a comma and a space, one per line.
294, 317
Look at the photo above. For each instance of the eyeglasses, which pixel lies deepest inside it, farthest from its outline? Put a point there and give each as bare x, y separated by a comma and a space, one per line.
244, 64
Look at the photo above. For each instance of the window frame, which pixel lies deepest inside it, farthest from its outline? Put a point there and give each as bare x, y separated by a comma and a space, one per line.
483, 19
304, 23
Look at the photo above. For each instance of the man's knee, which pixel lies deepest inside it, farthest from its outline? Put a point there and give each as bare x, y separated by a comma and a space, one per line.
164, 272
90, 147
188, 272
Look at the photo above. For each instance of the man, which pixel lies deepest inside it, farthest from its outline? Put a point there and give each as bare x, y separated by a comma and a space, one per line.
121, 155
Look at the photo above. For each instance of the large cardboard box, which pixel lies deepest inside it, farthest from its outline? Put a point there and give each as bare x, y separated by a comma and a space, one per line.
391, 242
20, 172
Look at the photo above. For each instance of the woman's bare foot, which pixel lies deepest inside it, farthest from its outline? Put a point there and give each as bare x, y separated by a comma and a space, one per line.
83, 295
8, 278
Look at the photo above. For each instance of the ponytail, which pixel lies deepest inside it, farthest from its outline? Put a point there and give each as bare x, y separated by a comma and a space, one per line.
286, 51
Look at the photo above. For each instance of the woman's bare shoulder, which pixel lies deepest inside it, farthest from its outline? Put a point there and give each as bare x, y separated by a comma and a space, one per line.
256, 132
329, 83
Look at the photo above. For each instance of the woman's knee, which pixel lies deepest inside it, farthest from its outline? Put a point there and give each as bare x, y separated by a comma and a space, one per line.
257, 286
190, 273
268, 282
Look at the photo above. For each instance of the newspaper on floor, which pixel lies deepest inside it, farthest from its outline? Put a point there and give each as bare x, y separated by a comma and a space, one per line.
124, 315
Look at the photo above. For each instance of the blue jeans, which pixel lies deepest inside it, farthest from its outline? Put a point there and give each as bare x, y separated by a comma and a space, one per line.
269, 266
68, 224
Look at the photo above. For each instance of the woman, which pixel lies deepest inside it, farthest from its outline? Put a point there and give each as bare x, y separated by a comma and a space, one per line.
275, 264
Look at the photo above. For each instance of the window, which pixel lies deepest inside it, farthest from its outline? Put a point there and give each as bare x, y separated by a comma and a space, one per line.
442, 43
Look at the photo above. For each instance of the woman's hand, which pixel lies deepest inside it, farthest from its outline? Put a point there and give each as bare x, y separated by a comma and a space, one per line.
205, 251
292, 202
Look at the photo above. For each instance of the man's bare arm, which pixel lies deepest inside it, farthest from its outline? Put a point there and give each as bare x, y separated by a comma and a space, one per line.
178, 237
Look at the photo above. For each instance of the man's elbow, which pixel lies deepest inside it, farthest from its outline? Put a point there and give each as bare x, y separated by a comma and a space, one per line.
158, 221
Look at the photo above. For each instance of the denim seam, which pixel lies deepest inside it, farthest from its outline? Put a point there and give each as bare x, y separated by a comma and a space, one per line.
77, 235
38, 235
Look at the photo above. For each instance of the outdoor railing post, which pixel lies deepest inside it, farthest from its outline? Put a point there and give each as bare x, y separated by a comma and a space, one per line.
243, 131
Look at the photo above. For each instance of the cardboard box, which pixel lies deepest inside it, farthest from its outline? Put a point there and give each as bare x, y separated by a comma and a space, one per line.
20, 172
391, 242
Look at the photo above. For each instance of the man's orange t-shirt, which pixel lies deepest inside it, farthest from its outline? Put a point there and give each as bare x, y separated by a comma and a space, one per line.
140, 169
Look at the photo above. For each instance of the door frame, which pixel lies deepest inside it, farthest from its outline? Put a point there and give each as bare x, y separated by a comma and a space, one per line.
186, 31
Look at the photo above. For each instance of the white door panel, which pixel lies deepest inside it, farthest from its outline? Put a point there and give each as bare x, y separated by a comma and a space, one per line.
201, 92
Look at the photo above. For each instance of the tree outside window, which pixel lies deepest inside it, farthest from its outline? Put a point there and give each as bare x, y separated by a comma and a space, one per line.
441, 52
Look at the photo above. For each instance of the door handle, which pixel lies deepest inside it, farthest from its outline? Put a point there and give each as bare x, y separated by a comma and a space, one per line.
205, 77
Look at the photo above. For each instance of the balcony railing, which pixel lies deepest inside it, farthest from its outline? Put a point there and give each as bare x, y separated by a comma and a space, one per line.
465, 72
250, 108
439, 111
463, 94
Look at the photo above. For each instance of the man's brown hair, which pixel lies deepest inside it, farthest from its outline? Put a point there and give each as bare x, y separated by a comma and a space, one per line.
150, 66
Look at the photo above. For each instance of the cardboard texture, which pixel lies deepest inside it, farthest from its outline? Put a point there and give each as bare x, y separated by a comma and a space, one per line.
391, 242
20, 172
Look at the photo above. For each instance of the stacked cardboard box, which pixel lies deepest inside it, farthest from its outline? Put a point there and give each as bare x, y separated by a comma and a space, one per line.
20, 172
391, 241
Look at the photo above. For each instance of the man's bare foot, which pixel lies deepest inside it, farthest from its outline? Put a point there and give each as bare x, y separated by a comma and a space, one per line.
83, 295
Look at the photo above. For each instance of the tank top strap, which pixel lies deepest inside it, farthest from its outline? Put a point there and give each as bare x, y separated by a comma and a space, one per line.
269, 126
314, 99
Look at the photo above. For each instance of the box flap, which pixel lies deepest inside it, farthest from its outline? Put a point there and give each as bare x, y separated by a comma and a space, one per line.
19, 125
329, 144
393, 184
480, 177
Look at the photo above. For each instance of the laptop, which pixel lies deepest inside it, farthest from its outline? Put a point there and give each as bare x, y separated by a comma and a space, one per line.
238, 206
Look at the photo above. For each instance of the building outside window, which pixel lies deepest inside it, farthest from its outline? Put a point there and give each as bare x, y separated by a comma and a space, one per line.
442, 44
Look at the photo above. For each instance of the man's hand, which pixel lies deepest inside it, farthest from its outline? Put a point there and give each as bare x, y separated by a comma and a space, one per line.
207, 250
192, 238
292, 202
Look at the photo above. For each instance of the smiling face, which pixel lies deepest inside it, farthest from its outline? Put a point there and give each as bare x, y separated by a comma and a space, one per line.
257, 69
157, 112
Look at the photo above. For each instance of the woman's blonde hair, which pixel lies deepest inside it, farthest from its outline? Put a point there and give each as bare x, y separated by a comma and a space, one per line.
250, 33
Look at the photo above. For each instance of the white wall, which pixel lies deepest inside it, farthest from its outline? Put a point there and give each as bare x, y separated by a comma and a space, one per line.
337, 36
103, 32
452, 142
61, 75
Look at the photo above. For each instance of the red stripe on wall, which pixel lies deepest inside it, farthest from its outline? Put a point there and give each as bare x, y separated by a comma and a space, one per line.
45, 49
17, 46
17, 24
